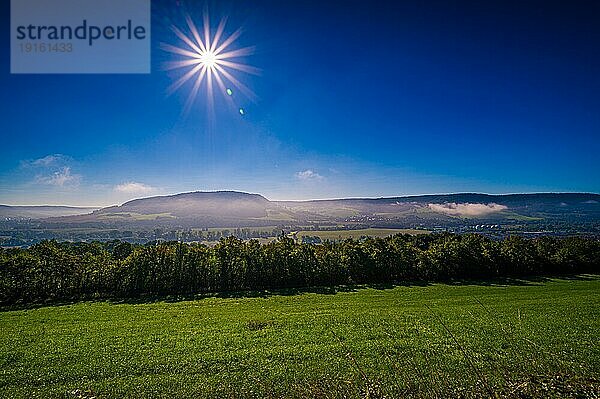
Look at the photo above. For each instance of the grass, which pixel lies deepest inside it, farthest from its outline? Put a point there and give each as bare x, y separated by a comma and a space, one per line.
518, 339
356, 234
135, 216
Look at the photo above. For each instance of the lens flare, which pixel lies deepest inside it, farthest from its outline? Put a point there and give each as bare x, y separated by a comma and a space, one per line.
207, 61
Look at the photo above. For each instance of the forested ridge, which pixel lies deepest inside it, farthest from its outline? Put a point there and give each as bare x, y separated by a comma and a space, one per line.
53, 270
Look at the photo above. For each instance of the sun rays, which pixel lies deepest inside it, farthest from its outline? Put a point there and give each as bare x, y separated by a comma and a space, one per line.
209, 62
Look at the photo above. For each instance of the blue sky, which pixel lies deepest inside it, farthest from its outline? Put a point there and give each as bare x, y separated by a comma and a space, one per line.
354, 99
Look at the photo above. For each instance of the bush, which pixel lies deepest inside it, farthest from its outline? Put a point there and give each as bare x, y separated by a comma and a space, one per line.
52, 271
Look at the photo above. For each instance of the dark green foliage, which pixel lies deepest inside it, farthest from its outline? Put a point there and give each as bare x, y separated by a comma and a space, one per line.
53, 271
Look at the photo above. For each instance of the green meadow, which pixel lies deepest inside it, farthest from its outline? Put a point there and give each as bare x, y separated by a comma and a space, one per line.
511, 338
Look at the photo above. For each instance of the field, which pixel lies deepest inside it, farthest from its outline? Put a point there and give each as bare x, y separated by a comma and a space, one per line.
533, 338
356, 234
135, 216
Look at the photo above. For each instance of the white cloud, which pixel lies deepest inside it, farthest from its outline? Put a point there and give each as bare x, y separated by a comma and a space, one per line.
52, 170
61, 178
467, 209
134, 188
309, 175
48, 161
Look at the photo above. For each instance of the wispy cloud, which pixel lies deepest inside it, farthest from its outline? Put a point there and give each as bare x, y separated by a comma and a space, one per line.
309, 175
62, 177
46, 162
134, 188
467, 209
53, 170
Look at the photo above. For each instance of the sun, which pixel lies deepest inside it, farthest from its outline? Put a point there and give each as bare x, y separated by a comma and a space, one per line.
207, 60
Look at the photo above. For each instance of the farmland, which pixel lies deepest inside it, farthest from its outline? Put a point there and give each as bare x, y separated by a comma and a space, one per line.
517, 338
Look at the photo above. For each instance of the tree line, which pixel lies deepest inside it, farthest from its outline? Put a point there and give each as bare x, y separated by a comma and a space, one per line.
54, 270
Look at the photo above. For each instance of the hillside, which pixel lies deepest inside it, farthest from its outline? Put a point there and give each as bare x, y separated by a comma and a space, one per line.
39, 212
337, 344
236, 209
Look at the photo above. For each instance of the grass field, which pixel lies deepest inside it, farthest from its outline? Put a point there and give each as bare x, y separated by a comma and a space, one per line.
135, 216
518, 339
356, 234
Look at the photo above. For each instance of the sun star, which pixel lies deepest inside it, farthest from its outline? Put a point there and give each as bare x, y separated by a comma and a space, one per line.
207, 59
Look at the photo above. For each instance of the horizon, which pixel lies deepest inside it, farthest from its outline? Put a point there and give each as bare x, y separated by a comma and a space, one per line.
297, 200
442, 98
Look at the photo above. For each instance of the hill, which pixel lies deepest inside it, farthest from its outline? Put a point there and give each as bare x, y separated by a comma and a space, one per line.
237, 209
39, 212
